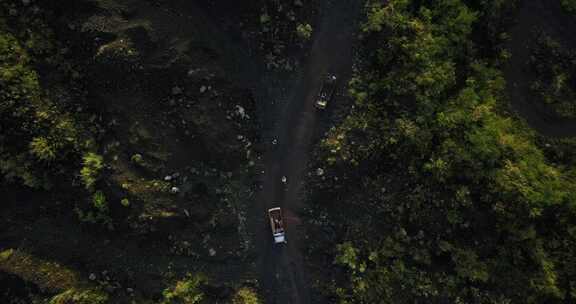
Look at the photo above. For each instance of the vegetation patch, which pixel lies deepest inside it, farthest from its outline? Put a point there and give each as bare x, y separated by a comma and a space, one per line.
185, 291
447, 198
51, 278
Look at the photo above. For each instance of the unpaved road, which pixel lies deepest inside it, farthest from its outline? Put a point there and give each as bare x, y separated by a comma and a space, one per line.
283, 277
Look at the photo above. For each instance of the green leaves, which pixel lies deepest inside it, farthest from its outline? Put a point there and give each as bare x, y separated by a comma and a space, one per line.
431, 116
99, 201
186, 291
42, 148
304, 31
37, 139
92, 166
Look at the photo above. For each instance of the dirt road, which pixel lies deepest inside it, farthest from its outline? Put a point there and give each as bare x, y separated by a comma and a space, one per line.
282, 274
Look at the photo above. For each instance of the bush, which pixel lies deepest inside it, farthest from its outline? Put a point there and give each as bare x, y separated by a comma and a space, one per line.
304, 31
246, 295
91, 170
125, 202
43, 148
80, 296
100, 202
48, 276
186, 291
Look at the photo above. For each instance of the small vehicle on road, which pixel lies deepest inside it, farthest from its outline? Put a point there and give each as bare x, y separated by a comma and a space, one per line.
326, 92
277, 225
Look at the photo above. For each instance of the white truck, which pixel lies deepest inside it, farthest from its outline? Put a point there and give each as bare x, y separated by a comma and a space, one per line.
277, 225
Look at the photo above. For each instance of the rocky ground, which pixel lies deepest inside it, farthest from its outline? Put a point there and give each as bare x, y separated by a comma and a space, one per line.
167, 92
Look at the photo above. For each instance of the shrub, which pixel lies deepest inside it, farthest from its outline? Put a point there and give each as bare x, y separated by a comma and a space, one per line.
125, 202
90, 172
48, 276
42, 148
186, 291
80, 296
246, 295
304, 31
137, 159
99, 201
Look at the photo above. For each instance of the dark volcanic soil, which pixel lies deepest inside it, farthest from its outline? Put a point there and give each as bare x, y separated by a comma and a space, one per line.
286, 113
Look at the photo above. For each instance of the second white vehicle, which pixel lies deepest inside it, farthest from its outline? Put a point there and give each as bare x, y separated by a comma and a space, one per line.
277, 225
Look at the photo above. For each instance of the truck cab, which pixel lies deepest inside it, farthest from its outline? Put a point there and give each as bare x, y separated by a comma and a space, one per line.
326, 92
277, 225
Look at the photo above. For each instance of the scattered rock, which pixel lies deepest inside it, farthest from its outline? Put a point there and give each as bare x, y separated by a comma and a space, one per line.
284, 179
176, 90
92, 277
25, 2
168, 178
319, 171
174, 190
212, 252
202, 89
240, 111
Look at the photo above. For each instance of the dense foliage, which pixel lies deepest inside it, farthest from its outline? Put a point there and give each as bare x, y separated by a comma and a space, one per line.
456, 202
37, 136
185, 291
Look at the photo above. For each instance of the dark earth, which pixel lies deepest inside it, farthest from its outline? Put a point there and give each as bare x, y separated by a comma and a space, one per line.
283, 275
